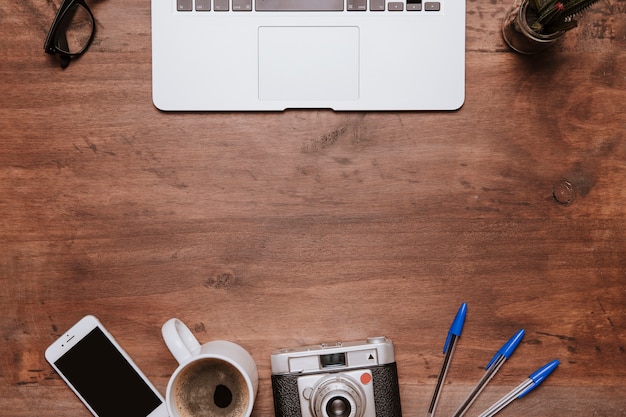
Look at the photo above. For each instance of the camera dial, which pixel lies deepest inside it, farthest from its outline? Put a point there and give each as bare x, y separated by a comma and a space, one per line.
337, 396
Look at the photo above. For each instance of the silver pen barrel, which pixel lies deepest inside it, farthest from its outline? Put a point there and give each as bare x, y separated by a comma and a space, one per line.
491, 372
507, 399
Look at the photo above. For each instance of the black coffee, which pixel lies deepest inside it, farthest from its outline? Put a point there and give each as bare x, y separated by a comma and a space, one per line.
211, 387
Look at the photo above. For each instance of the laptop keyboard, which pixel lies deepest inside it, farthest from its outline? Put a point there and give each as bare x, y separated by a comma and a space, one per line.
307, 5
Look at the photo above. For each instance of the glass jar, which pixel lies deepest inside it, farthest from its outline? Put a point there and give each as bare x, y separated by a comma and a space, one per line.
518, 34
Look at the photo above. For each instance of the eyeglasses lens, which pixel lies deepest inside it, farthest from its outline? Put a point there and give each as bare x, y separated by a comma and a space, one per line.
75, 30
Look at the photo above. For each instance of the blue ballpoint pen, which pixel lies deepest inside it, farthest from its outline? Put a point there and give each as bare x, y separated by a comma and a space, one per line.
522, 389
492, 368
453, 334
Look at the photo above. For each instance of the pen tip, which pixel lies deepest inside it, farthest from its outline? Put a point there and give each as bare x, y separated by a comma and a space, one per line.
459, 320
539, 375
457, 325
512, 344
507, 349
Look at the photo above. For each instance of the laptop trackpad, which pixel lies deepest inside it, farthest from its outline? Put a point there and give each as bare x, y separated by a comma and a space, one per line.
308, 63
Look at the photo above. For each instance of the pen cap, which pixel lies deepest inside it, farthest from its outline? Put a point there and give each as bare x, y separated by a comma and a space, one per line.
457, 326
539, 375
507, 349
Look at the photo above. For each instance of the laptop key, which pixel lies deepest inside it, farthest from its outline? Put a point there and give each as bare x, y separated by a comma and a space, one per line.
377, 5
203, 5
432, 6
356, 5
242, 5
395, 6
220, 5
184, 5
298, 5
414, 5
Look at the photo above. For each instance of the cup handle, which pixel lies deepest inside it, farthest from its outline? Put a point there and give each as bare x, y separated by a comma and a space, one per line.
179, 339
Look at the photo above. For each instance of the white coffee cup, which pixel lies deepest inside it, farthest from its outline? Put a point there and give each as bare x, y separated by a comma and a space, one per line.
218, 378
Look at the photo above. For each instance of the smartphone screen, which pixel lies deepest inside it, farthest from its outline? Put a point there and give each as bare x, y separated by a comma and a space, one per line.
105, 379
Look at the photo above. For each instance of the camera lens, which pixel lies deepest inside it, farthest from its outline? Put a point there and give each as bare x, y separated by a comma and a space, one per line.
338, 407
337, 395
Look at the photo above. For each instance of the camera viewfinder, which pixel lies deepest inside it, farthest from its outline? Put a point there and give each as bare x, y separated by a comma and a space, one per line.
333, 360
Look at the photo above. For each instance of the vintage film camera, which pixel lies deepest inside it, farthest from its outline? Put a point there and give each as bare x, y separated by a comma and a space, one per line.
352, 379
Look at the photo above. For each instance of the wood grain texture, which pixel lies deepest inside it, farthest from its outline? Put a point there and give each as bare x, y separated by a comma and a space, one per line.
280, 229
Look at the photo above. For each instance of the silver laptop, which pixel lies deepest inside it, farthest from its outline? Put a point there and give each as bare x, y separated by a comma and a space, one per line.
230, 55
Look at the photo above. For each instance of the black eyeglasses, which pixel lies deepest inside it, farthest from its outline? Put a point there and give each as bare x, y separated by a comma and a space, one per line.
72, 31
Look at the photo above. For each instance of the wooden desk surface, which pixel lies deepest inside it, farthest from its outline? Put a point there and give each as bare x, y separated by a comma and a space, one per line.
282, 229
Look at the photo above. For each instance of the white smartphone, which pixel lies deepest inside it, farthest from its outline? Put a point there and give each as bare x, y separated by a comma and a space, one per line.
102, 375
